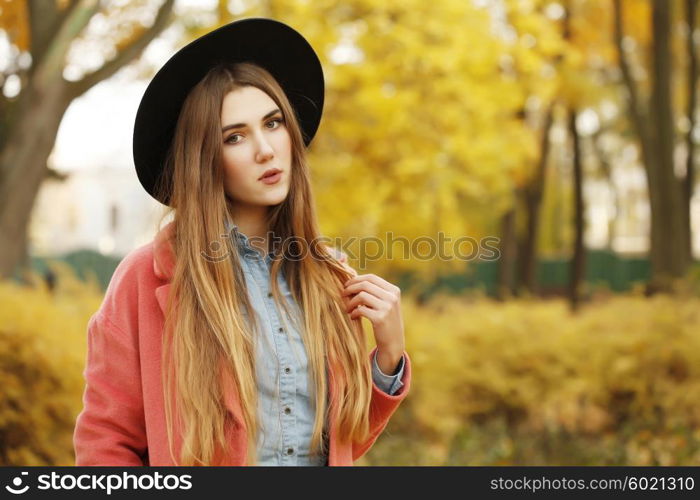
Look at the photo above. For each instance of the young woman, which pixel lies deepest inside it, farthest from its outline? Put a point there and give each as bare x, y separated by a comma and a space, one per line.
258, 342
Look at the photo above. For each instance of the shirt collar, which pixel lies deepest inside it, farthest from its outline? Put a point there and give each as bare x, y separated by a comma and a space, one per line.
241, 240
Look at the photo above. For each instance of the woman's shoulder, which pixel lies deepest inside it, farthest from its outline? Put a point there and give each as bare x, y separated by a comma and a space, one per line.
150, 264
137, 267
133, 280
134, 290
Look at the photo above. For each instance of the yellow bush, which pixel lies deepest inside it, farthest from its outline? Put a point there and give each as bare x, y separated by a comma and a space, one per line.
526, 382
520, 382
42, 355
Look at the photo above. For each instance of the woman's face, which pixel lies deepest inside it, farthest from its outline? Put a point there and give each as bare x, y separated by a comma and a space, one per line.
255, 142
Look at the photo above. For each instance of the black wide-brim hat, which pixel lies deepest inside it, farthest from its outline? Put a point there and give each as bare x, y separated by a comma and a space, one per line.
278, 48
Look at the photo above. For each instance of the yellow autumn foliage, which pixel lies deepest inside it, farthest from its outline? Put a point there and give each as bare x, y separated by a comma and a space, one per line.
527, 383
520, 382
42, 355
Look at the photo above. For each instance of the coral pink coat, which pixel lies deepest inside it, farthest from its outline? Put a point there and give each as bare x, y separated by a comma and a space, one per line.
123, 419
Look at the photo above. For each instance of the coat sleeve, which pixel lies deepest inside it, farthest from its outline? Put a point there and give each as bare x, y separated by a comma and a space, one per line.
110, 430
382, 407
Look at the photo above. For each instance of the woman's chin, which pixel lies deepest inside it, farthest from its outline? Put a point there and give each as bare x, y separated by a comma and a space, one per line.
276, 196
272, 200
265, 200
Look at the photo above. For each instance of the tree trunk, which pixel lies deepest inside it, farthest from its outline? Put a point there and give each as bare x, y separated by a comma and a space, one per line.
606, 170
508, 249
667, 240
670, 258
577, 265
578, 262
29, 123
689, 184
23, 161
532, 198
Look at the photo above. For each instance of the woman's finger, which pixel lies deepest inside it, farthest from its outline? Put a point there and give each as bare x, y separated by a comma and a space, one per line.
370, 287
367, 299
373, 278
367, 312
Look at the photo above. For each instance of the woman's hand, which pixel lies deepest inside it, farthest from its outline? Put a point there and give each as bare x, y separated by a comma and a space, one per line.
379, 301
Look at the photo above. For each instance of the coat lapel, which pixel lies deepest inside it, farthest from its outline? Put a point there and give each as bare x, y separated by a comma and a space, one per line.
164, 263
163, 254
162, 293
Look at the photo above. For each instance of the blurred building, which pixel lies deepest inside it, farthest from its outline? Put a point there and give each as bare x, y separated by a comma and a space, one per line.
97, 208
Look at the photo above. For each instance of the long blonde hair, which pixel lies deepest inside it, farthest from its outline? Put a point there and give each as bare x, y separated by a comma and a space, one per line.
208, 298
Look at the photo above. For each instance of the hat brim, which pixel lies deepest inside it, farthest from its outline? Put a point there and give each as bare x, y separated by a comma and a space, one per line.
278, 48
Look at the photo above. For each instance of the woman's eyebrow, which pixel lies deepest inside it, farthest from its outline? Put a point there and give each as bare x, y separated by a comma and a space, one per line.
241, 125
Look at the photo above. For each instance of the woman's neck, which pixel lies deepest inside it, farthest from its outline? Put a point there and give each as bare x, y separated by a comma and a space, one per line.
253, 223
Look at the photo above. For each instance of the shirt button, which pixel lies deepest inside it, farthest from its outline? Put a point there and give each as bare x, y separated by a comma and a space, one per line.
269, 294
290, 451
287, 370
281, 329
287, 411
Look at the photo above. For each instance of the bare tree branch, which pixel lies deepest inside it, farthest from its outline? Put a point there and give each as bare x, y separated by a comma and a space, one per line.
636, 108
45, 19
74, 22
127, 54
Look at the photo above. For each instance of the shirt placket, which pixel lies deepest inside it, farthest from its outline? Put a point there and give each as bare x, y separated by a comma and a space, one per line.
286, 368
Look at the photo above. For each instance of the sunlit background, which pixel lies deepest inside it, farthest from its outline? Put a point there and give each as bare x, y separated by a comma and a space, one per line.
565, 129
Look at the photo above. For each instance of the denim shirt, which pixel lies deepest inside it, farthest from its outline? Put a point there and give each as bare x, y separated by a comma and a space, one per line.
285, 392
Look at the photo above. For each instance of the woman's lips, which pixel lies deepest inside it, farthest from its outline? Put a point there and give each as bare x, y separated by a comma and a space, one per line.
272, 179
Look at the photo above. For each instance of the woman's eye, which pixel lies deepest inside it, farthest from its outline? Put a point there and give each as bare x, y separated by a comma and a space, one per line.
276, 121
236, 138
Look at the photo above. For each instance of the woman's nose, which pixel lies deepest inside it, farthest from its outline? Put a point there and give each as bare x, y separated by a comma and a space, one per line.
264, 151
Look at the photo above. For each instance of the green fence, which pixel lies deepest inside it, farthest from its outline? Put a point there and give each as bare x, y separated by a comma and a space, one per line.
83, 262
603, 268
